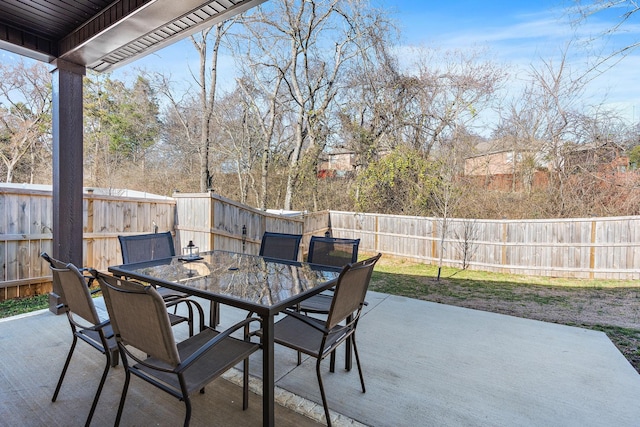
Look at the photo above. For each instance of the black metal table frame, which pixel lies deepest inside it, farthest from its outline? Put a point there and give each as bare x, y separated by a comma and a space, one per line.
267, 314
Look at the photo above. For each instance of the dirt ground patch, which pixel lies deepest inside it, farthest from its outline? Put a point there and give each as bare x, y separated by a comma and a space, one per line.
615, 311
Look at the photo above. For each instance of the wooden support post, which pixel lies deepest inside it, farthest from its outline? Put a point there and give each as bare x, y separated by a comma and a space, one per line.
67, 129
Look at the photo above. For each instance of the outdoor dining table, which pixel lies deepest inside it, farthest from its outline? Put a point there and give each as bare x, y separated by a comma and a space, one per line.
264, 286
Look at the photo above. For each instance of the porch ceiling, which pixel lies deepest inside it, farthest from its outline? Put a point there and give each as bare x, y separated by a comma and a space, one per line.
104, 34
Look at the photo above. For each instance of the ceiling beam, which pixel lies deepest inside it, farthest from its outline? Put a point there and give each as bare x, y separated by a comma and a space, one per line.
146, 29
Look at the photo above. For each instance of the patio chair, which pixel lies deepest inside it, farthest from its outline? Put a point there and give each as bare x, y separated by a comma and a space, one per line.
280, 246
146, 247
86, 324
319, 338
332, 251
152, 246
142, 326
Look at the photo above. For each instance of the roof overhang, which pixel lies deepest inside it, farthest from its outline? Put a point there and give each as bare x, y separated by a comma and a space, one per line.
104, 34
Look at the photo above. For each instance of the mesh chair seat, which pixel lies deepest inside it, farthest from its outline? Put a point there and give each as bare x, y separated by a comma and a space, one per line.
202, 372
300, 336
319, 304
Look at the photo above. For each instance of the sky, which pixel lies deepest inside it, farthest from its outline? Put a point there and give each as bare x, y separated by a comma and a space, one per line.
516, 34
520, 34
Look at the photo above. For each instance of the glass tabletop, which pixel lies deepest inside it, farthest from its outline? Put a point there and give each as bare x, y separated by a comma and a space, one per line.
249, 278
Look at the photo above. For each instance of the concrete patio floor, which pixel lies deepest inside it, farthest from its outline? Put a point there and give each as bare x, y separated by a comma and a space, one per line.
425, 364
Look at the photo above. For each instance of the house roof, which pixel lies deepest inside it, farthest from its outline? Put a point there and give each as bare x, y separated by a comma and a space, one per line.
104, 34
487, 148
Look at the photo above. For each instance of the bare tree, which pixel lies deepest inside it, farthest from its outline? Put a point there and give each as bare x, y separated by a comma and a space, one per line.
238, 140
445, 195
182, 135
98, 164
261, 87
452, 89
375, 98
466, 239
558, 94
312, 42
206, 80
612, 52
25, 109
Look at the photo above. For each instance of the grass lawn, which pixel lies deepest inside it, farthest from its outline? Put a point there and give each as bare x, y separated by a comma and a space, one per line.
16, 306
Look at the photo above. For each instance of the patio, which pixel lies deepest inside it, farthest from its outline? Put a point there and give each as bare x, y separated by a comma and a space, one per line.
425, 364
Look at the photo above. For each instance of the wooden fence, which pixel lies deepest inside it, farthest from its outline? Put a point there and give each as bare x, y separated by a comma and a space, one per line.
26, 217
600, 248
592, 248
214, 222
209, 220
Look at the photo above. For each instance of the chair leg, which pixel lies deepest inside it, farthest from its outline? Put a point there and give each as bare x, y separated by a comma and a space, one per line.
214, 314
187, 416
245, 385
355, 350
127, 378
64, 369
99, 391
332, 361
324, 397
347, 351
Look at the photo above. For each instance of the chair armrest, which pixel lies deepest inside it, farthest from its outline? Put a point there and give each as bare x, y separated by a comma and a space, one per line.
306, 319
214, 341
88, 326
100, 325
313, 322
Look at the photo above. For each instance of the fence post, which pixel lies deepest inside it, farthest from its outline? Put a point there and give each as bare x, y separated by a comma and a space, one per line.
377, 238
592, 250
212, 222
90, 226
503, 259
434, 239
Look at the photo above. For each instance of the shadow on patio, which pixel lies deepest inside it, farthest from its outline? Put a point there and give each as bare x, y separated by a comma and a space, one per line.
424, 363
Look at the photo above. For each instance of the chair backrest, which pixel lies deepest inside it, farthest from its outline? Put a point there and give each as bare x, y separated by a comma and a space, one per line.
350, 291
280, 246
146, 247
52, 261
139, 317
333, 251
75, 292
